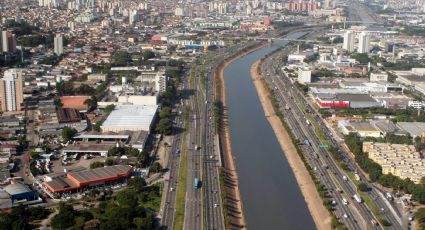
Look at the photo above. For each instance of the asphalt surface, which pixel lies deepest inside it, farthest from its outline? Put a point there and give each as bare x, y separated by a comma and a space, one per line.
169, 209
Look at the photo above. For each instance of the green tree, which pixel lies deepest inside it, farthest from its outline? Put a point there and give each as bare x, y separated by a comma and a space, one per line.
97, 164
65, 218
363, 187
148, 55
92, 103
109, 162
156, 167
164, 126
165, 112
68, 133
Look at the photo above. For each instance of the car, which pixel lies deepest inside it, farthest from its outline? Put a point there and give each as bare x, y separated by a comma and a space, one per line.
171, 189
345, 216
215, 205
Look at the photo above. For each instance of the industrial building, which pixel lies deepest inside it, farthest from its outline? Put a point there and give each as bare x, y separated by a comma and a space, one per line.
17, 194
130, 118
87, 179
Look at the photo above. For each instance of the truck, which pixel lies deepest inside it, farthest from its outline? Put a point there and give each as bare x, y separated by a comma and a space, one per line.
196, 183
357, 198
307, 142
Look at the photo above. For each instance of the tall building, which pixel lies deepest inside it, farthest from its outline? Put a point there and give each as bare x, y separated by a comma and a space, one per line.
11, 90
58, 40
348, 41
7, 41
363, 43
133, 17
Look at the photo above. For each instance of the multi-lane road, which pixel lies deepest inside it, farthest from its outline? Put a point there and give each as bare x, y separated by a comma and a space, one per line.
358, 214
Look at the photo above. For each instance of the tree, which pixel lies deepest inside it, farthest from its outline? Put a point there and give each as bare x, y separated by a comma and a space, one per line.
97, 164
108, 109
164, 126
156, 167
65, 218
109, 162
68, 133
165, 112
337, 40
92, 103
148, 55
363, 187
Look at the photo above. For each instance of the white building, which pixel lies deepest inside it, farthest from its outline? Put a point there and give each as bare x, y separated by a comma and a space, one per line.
130, 118
138, 99
348, 41
58, 44
179, 11
134, 17
379, 77
364, 39
11, 90
304, 75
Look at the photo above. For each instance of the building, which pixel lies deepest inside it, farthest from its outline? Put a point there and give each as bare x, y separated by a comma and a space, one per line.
304, 75
364, 39
138, 99
379, 77
400, 160
96, 77
414, 129
348, 41
130, 118
7, 41
11, 90
17, 194
87, 179
58, 44
363, 129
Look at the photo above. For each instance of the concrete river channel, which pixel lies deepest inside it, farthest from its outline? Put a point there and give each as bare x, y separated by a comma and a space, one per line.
271, 196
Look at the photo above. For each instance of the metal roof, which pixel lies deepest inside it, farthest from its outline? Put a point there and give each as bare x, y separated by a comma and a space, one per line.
132, 117
18, 188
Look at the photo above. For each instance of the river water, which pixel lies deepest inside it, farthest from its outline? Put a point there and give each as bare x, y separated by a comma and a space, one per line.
271, 196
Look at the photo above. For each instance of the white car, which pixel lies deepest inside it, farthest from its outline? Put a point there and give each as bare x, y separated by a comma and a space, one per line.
215, 205
345, 216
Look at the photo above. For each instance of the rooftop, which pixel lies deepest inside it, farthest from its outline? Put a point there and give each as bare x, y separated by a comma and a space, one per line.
131, 117
413, 128
99, 173
17, 188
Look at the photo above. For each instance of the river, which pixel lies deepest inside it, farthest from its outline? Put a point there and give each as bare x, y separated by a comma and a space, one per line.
271, 196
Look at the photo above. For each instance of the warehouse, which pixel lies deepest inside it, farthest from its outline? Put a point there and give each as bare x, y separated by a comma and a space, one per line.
130, 118
356, 101
74, 181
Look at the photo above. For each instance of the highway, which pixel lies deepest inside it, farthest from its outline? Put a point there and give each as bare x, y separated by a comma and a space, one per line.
193, 208
286, 92
168, 209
